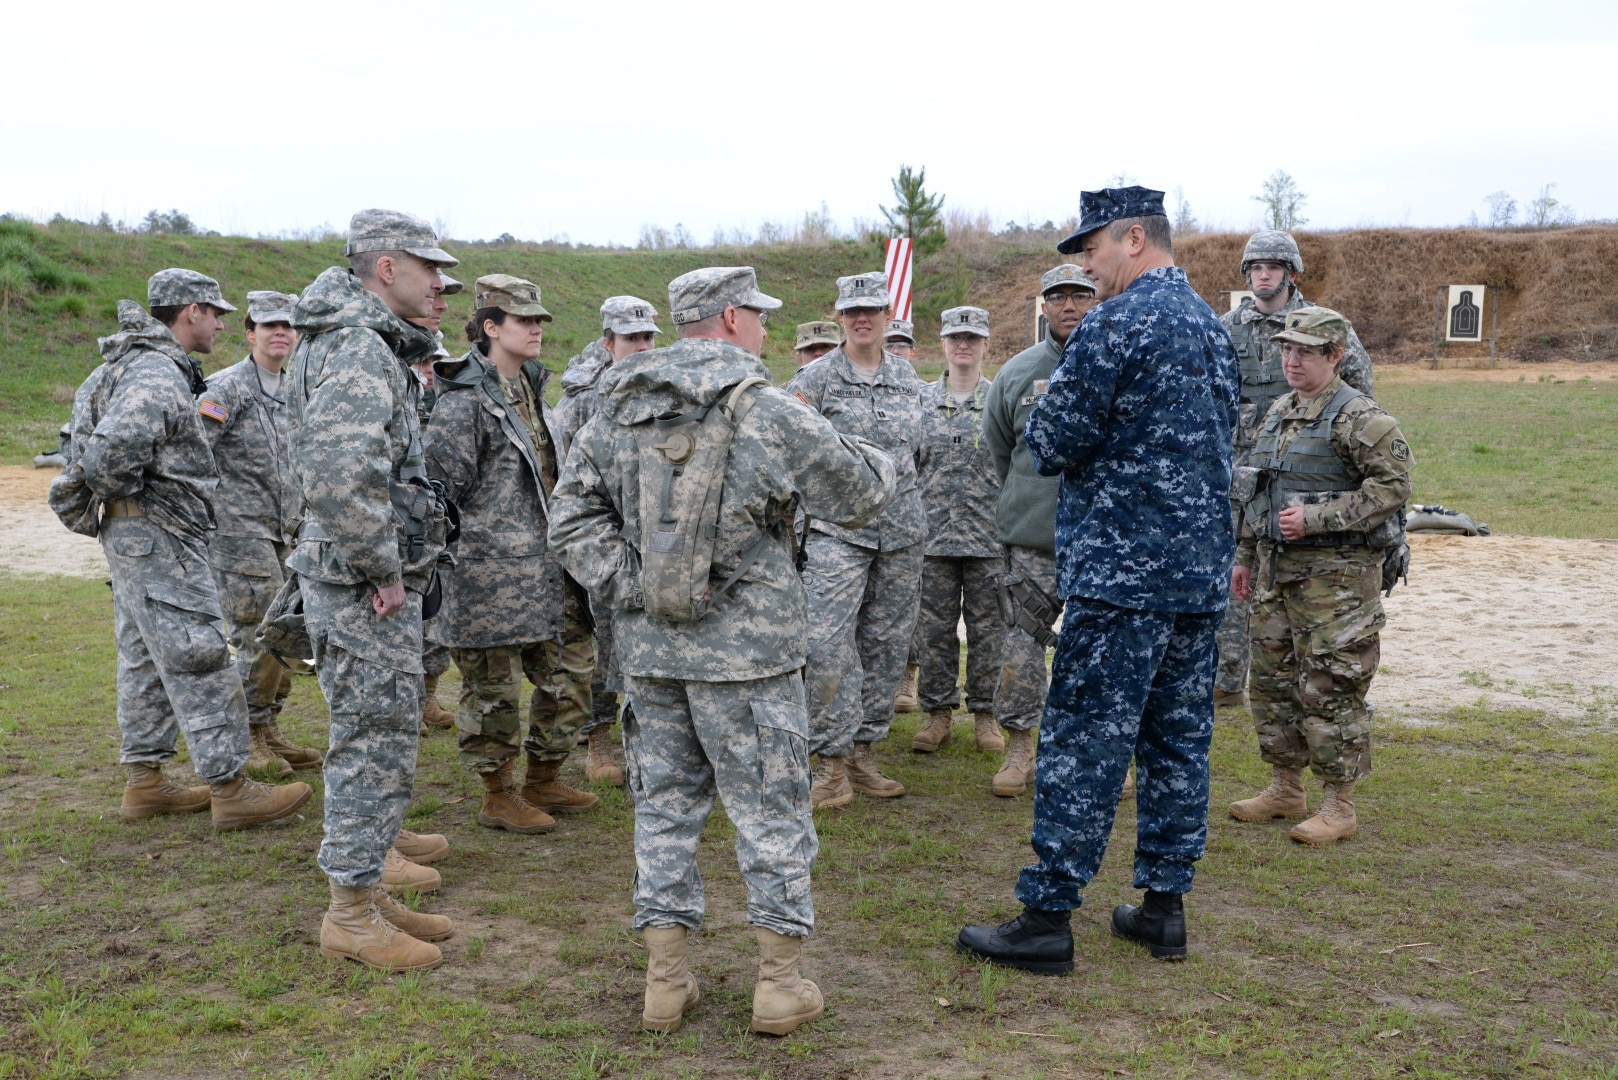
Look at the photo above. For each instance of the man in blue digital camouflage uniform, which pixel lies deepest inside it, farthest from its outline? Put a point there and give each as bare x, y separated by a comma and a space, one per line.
1137, 421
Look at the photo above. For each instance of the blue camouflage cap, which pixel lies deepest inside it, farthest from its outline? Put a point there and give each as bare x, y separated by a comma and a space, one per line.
1098, 208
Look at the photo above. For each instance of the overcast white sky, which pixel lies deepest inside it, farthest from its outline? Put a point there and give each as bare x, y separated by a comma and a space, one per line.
589, 120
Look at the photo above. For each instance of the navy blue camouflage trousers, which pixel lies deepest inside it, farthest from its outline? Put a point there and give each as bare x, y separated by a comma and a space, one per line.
1124, 684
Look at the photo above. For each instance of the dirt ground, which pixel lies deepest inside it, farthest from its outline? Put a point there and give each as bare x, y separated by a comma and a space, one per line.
1516, 620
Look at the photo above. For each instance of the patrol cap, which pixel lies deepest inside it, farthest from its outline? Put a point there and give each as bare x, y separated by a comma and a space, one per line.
512, 295
266, 306
819, 332
451, 286
964, 320
628, 315
1066, 274
1098, 208
395, 230
176, 287
1315, 326
863, 291
900, 328
704, 293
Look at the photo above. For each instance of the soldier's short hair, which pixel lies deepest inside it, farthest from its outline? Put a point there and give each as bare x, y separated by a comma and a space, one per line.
169, 314
474, 328
1158, 232
364, 263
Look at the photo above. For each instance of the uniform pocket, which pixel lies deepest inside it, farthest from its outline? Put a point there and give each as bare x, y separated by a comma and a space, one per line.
250, 558
131, 547
1343, 631
189, 629
378, 651
783, 753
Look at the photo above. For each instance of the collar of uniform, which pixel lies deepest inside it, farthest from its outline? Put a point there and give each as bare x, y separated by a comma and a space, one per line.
885, 373
1308, 410
946, 397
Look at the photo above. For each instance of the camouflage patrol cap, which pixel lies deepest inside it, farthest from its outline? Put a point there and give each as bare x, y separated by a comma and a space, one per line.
451, 286
267, 306
512, 295
900, 328
1098, 208
1272, 245
629, 315
1315, 326
863, 291
395, 230
819, 332
704, 293
963, 320
1066, 274
176, 287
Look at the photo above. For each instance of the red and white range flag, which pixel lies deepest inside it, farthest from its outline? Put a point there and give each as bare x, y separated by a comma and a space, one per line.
897, 267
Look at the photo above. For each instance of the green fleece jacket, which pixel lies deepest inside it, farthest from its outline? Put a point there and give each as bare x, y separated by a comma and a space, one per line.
1025, 514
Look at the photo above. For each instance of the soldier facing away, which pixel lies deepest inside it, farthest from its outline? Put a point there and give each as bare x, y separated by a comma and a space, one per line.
676, 508
140, 476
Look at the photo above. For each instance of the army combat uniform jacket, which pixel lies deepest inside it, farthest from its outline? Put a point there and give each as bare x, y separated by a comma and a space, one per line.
956, 473
578, 401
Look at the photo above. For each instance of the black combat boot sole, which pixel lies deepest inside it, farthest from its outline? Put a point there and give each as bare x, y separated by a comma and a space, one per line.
1038, 967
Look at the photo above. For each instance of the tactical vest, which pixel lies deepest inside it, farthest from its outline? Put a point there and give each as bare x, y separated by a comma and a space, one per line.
682, 477
1262, 385
1308, 473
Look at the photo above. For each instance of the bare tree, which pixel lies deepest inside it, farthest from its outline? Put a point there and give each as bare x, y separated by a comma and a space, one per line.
1185, 222
1502, 210
1546, 211
1283, 202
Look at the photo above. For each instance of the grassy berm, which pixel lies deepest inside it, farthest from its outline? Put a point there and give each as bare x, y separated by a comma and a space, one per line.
1470, 930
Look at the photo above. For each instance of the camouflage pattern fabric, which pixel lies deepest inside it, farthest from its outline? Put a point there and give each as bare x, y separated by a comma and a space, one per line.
248, 574
176, 286
174, 670
862, 615
435, 659
578, 401
486, 720
370, 671
1231, 673
953, 588
504, 588
1126, 683
956, 474
606, 681
1024, 680
746, 742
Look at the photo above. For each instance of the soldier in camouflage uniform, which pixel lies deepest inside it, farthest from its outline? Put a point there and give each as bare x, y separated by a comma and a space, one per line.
863, 582
961, 571
372, 534
815, 339
627, 327
491, 446
1137, 423
1269, 260
434, 657
141, 476
718, 702
900, 339
244, 419
1325, 479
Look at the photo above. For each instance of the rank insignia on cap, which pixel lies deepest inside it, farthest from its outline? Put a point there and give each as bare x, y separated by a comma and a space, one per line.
213, 410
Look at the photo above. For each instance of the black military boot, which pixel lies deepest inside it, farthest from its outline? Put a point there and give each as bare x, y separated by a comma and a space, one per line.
1036, 940
1158, 923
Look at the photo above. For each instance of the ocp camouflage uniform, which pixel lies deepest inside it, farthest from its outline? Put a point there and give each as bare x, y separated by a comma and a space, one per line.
355, 440
963, 561
490, 444
864, 583
434, 657
245, 424
1263, 383
138, 444
717, 705
1317, 612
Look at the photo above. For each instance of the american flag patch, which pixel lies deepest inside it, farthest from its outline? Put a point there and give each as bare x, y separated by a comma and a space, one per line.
213, 410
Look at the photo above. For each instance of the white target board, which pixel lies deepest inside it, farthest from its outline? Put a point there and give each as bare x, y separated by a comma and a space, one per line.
1237, 296
1463, 317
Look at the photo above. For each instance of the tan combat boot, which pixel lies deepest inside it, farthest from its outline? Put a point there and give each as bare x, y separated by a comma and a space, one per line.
543, 788
1334, 821
1129, 785
1017, 772
905, 699
782, 1001
263, 761
432, 713
934, 733
399, 872
421, 848
671, 989
831, 788
598, 760
504, 809
865, 778
987, 732
418, 924
148, 793
1284, 798
299, 757
354, 929
241, 801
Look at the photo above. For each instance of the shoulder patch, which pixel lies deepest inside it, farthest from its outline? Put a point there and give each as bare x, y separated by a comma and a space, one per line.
213, 410
1376, 429
1400, 450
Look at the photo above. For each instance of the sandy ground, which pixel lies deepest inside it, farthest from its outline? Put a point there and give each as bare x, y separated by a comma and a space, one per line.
1511, 620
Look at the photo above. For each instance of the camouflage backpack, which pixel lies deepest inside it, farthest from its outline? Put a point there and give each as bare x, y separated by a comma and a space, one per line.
682, 477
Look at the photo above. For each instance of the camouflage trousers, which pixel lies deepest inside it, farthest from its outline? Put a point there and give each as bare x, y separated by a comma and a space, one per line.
953, 588
174, 669
434, 658
747, 743
606, 681
1124, 683
1234, 639
248, 573
862, 613
1316, 645
1024, 679
487, 725
370, 672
